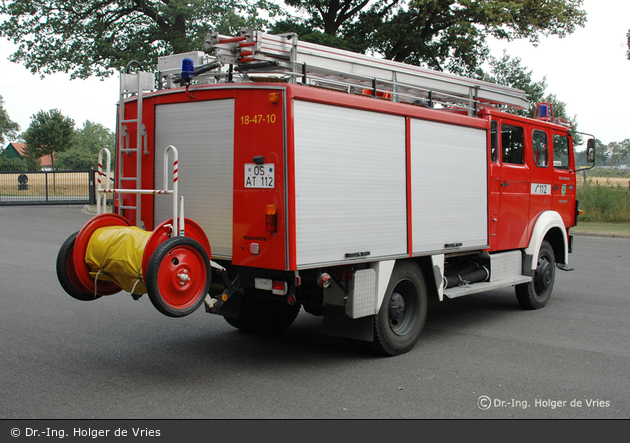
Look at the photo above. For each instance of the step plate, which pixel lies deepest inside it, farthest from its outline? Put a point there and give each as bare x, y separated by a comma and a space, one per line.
460, 291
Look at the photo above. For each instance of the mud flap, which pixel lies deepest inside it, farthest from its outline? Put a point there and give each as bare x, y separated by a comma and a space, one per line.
337, 324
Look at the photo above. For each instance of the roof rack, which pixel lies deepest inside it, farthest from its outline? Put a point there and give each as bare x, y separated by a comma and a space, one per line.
254, 55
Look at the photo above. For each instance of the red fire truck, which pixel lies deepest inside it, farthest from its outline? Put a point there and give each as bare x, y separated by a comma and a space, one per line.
350, 186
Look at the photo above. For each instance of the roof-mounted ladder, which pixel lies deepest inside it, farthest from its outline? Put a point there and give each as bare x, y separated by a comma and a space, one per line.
309, 63
132, 85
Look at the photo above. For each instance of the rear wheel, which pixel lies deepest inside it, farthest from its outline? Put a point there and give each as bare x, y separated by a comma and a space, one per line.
536, 294
399, 323
178, 276
259, 314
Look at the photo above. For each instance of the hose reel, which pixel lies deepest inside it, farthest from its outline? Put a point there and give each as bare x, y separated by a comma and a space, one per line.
171, 264
108, 255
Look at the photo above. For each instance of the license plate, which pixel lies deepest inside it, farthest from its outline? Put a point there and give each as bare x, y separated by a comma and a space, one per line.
260, 176
540, 189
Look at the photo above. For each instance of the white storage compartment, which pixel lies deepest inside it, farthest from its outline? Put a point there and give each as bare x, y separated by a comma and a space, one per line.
350, 184
203, 133
449, 187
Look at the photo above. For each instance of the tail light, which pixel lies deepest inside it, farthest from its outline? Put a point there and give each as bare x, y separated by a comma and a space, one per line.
279, 288
271, 218
276, 287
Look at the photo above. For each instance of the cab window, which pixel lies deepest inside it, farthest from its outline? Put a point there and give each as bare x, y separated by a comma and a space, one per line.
512, 143
560, 152
540, 148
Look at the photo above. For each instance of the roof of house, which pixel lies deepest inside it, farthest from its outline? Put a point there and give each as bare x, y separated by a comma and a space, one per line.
45, 161
19, 148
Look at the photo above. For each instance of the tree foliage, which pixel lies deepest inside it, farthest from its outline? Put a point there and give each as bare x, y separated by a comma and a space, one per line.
14, 164
509, 71
86, 37
308, 34
619, 152
441, 34
332, 15
86, 144
48, 134
8, 128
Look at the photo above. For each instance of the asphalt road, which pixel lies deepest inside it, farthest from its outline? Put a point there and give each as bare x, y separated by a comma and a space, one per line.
480, 357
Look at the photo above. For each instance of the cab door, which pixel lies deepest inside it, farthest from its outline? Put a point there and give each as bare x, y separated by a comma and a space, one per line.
514, 188
563, 189
541, 174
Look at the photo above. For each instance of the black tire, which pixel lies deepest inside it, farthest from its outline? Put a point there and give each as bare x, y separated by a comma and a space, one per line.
67, 274
399, 323
260, 314
178, 256
536, 294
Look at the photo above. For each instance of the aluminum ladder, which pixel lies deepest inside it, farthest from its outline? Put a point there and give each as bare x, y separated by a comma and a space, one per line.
132, 85
255, 51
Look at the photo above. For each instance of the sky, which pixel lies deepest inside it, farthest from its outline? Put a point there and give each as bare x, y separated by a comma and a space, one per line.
588, 70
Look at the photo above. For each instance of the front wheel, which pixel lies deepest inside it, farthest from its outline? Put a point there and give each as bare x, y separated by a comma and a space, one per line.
400, 321
536, 294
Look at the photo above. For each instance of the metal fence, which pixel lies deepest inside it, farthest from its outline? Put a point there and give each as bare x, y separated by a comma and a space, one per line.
47, 188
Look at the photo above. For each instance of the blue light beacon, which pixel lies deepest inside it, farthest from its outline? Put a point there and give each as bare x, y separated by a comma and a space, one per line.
188, 70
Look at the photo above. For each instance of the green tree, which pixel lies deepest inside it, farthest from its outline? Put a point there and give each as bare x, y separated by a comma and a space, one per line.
619, 153
14, 164
86, 144
441, 34
602, 153
307, 33
509, 71
98, 38
8, 128
48, 134
329, 16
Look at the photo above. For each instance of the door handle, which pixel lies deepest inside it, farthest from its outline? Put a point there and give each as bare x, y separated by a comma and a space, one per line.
505, 184
556, 187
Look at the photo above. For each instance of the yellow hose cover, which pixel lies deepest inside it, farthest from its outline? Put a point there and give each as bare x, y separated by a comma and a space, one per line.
115, 254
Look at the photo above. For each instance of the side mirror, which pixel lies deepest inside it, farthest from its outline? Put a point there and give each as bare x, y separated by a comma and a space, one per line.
590, 151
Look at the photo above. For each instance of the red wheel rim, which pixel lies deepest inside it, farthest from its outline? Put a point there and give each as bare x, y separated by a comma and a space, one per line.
80, 247
181, 277
163, 232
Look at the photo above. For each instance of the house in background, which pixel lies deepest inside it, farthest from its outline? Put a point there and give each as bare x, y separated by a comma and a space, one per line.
16, 150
